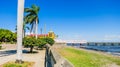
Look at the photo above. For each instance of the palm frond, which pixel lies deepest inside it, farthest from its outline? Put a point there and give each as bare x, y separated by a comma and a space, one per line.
31, 16
28, 10
27, 27
35, 8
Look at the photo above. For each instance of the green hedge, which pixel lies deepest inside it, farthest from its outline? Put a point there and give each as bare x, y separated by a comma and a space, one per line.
12, 64
40, 42
49, 41
7, 36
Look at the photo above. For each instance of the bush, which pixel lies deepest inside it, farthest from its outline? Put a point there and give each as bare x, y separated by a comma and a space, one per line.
40, 42
7, 36
12, 64
29, 42
32, 41
49, 41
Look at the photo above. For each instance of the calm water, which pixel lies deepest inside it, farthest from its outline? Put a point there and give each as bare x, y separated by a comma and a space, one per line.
108, 48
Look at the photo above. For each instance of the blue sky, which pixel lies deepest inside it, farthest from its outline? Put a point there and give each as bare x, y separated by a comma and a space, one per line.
91, 20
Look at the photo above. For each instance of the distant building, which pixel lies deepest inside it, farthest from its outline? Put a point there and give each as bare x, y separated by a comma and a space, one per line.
50, 34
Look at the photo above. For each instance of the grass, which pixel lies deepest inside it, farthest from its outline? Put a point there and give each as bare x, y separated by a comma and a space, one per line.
13, 64
85, 58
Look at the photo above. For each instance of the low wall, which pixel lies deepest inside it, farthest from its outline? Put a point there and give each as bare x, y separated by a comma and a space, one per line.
54, 59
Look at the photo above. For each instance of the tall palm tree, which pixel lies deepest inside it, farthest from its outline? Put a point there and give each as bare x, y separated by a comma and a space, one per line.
19, 30
32, 18
24, 29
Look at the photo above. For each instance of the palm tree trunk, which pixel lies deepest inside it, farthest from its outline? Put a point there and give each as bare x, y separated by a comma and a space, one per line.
19, 30
36, 30
32, 29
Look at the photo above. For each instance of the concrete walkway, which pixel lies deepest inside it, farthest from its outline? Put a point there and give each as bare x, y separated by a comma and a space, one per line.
9, 54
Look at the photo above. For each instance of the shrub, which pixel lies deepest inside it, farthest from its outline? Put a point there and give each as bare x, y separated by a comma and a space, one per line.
40, 42
7, 36
12, 64
32, 41
29, 42
49, 41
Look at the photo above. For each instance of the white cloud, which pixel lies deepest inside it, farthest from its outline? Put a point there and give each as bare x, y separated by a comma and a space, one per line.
71, 37
112, 38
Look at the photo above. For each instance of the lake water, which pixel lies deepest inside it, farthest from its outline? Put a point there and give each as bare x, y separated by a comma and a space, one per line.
113, 49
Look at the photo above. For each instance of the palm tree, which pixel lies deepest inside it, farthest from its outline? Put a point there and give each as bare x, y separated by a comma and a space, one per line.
19, 30
32, 18
24, 29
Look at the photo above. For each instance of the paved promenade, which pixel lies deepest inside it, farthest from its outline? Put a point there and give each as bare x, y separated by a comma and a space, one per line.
9, 54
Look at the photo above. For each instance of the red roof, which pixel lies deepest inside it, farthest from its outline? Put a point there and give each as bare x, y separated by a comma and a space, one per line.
39, 35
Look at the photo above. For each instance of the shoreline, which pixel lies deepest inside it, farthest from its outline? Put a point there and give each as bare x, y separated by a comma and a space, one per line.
95, 51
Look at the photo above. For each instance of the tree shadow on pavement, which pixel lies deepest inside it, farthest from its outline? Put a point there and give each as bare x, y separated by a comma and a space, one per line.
10, 52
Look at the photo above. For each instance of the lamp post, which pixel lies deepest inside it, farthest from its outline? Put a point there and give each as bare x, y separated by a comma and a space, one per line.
20, 14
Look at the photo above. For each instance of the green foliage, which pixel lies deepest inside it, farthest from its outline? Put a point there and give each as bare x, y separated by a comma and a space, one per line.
32, 41
31, 15
7, 36
49, 41
29, 41
85, 58
40, 42
12, 64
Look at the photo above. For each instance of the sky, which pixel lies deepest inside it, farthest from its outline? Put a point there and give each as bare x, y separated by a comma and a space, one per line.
91, 20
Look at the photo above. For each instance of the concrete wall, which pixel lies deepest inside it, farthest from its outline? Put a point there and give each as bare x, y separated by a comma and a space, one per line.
54, 59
